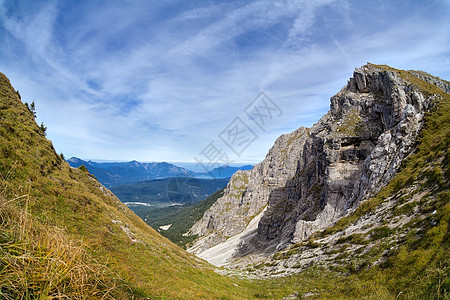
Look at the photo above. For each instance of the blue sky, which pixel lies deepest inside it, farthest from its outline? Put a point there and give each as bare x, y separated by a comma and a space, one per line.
161, 80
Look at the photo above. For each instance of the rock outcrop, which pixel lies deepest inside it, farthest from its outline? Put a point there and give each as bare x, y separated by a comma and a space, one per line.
312, 177
247, 192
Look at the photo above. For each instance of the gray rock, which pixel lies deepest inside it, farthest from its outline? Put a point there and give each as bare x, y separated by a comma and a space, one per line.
312, 177
248, 192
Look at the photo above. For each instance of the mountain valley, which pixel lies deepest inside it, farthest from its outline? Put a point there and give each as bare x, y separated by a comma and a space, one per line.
357, 206
167, 192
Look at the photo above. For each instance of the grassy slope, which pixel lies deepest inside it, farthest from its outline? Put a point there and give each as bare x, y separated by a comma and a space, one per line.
62, 235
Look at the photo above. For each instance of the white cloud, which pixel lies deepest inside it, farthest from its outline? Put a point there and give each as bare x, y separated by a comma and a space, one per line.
159, 84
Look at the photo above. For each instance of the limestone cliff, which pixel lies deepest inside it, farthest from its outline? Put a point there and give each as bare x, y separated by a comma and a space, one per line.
247, 192
312, 177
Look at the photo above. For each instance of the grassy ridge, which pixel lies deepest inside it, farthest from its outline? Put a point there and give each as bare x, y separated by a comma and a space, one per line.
63, 235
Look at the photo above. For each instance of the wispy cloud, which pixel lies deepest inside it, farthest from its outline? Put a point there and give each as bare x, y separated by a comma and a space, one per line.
162, 80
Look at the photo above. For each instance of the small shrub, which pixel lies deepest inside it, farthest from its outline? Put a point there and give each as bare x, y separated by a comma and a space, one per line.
356, 238
83, 168
312, 244
43, 128
405, 209
380, 232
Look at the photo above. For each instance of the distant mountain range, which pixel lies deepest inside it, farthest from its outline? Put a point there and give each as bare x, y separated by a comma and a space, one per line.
118, 173
222, 172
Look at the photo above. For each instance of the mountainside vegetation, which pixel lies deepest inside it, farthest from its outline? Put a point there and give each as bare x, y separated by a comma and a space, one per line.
179, 217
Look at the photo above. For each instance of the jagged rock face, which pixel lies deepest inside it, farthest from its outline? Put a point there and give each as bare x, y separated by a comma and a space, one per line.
351, 153
248, 192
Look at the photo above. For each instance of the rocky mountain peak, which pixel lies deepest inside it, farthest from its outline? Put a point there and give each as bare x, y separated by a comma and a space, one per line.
312, 177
